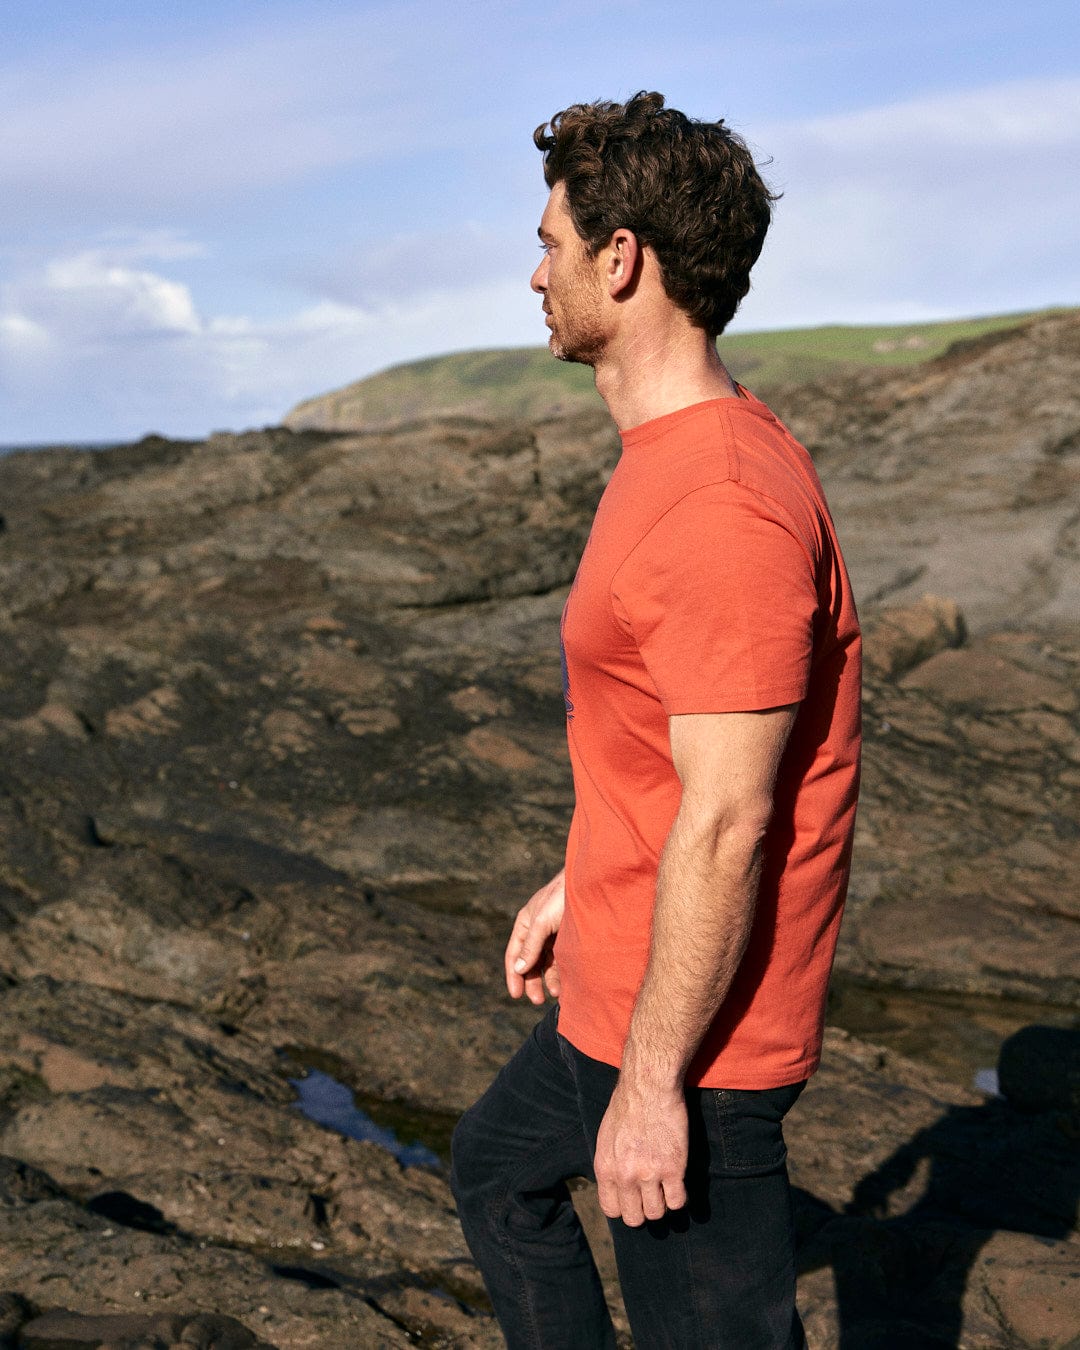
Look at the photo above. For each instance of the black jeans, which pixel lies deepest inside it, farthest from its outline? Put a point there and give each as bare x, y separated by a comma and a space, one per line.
720, 1272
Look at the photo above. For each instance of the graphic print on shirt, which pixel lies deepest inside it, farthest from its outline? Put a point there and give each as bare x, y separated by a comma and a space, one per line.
562, 655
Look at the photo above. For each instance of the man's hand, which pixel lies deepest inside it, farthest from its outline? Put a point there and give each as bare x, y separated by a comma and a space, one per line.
641, 1153
530, 960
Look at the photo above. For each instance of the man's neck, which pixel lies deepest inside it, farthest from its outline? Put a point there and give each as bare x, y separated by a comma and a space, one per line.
654, 373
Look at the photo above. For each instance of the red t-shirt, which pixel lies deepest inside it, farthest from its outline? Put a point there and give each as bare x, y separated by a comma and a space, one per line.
712, 582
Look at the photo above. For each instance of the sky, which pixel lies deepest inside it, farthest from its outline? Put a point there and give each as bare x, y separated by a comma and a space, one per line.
214, 209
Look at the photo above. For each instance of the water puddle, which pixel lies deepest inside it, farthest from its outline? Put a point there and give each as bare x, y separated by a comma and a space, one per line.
986, 1080
957, 1035
331, 1104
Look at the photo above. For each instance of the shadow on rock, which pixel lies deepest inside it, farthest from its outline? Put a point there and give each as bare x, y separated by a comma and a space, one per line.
929, 1244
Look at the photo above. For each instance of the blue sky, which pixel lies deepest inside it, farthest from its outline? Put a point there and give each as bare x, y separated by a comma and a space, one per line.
214, 209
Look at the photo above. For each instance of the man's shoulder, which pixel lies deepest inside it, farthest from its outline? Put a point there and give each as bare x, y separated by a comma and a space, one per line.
733, 446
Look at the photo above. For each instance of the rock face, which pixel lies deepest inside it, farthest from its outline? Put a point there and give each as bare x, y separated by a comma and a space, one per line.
284, 750
960, 477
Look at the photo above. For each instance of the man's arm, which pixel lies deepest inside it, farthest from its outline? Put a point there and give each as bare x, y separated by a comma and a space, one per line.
705, 896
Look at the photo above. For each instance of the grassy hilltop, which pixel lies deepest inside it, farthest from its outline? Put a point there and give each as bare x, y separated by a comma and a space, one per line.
525, 382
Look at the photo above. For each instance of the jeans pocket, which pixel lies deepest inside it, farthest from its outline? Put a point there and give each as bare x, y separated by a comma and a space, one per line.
749, 1133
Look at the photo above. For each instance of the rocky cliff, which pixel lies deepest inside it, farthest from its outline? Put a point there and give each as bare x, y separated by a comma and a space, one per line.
284, 750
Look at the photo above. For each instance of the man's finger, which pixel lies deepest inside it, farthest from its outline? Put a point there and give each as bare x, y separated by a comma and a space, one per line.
534, 989
652, 1200
513, 954
607, 1193
674, 1194
633, 1213
525, 959
519, 936
530, 948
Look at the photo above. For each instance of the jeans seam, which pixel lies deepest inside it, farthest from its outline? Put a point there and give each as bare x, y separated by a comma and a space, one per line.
722, 1122
692, 1284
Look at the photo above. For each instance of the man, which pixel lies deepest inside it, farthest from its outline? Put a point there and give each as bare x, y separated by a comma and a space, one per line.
711, 661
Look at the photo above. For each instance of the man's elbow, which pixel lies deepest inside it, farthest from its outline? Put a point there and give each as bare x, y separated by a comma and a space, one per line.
733, 829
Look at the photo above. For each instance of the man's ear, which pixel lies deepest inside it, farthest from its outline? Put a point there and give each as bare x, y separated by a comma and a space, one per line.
622, 261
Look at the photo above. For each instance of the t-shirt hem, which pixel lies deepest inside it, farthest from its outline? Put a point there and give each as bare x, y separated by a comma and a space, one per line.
718, 1076
742, 1082
739, 700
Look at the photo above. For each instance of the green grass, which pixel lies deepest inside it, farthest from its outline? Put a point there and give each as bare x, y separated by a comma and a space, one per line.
513, 382
799, 354
525, 382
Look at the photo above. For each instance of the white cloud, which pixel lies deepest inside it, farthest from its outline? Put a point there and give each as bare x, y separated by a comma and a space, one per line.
411, 263
85, 338
951, 204
267, 367
1015, 116
21, 337
102, 298
110, 349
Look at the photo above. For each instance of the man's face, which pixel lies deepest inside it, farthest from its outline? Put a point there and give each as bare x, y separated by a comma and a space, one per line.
567, 280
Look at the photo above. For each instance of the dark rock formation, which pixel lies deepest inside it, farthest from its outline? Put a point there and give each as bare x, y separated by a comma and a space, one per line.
60, 1330
283, 750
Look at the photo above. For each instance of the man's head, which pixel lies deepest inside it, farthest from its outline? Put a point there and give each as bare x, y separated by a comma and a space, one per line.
687, 190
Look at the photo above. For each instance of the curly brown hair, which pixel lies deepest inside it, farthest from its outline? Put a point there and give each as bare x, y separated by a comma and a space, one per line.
689, 190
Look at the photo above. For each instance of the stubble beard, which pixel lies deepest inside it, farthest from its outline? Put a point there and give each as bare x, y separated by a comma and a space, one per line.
576, 334
576, 351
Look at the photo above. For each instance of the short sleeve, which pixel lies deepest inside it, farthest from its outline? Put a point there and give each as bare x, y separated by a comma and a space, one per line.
720, 597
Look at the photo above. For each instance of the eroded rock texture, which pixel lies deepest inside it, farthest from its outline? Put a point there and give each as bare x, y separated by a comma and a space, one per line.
283, 751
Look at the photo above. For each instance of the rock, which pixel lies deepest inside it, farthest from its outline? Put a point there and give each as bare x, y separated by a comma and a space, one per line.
950, 478
56, 1252
965, 825
15, 1312
903, 1225
988, 680
203, 1154
21, 1184
60, 1330
1032, 1289
897, 639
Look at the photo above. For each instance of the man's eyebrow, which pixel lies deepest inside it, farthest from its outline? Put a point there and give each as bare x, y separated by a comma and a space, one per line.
544, 234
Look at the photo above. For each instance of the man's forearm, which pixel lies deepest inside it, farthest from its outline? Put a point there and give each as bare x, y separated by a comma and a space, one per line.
704, 908
706, 892
705, 895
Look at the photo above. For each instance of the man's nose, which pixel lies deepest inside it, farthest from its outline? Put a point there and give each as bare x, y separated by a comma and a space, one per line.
538, 283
